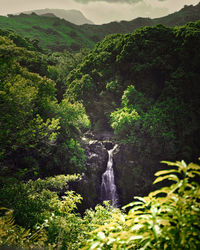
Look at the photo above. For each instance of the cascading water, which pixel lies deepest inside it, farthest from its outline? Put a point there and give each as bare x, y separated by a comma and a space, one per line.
108, 187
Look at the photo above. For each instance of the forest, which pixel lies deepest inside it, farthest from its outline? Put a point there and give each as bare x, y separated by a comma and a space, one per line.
142, 88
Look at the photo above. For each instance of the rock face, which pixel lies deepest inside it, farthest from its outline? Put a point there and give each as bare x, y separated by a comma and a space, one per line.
133, 175
96, 159
132, 178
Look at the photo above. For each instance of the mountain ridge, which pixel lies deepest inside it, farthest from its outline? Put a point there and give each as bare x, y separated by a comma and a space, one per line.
189, 13
57, 34
72, 16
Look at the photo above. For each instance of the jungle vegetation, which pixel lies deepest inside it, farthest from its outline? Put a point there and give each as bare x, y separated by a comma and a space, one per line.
145, 87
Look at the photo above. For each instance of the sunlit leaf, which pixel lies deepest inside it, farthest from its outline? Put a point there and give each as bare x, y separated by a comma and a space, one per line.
170, 177
166, 172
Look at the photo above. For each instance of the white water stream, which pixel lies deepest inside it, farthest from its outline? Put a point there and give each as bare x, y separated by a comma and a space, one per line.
108, 187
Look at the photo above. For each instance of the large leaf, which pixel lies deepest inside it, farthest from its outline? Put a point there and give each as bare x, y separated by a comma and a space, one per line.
170, 177
162, 172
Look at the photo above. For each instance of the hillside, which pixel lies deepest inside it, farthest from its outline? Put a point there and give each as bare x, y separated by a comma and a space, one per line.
187, 14
56, 34
72, 16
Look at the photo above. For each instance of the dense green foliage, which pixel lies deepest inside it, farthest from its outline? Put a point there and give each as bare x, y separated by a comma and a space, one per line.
38, 208
148, 81
54, 34
166, 219
39, 137
60, 65
14, 235
58, 34
34, 127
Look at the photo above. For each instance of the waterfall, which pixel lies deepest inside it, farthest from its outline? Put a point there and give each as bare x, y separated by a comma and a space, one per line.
108, 187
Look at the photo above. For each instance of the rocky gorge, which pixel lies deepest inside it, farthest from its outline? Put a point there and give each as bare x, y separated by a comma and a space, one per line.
131, 177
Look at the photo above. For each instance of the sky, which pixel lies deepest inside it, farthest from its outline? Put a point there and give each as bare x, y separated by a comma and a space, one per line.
101, 11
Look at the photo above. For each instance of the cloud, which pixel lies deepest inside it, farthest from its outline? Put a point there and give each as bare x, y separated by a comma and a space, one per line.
104, 12
111, 1
101, 11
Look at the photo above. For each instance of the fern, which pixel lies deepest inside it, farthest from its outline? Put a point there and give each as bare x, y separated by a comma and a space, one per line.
14, 235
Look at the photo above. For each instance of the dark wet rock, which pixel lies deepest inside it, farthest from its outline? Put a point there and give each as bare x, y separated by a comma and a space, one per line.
89, 135
108, 144
96, 159
104, 136
132, 177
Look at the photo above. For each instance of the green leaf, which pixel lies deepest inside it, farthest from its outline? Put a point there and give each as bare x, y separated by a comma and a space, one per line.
140, 198
164, 190
101, 235
193, 166
162, 172
170, 177
196, 172
94, 245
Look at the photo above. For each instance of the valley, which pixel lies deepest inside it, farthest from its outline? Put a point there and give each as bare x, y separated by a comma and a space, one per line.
99, 132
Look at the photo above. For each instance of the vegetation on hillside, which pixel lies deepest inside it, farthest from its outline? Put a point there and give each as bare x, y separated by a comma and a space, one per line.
57, 34
144, 86
54, 34
166, 219
38, 134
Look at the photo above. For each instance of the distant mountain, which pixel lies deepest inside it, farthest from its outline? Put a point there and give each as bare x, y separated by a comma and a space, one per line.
58, 34
187, 14
48, 14
72, 16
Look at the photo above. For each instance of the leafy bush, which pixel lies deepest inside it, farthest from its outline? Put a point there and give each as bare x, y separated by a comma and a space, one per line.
44, 211
33, 202
34, 127
166, 219
12, 235
165, 93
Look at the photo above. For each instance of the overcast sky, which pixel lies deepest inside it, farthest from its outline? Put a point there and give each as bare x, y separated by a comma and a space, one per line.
101, 11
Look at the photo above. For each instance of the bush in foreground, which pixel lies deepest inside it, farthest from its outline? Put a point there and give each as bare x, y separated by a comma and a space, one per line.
166, 219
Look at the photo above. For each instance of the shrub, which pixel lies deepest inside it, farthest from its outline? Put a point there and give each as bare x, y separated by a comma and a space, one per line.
166, 219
